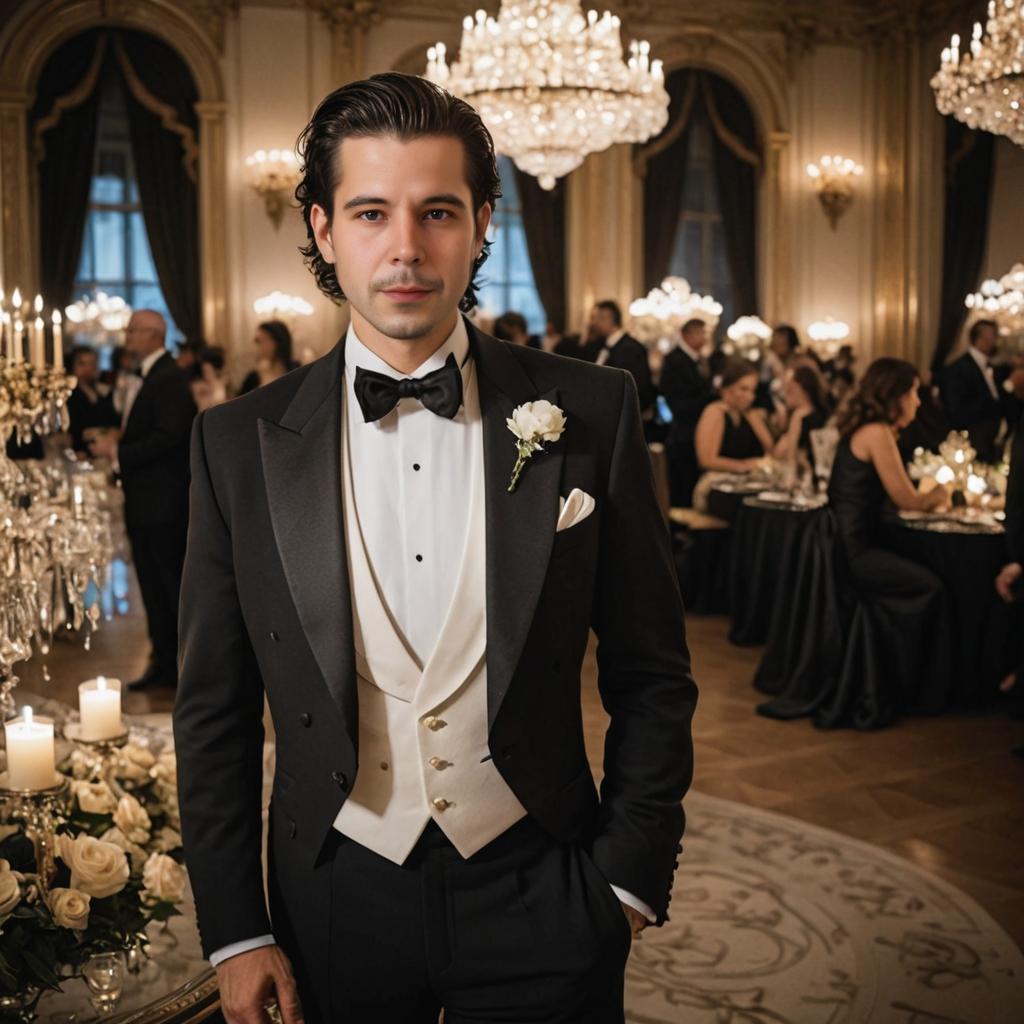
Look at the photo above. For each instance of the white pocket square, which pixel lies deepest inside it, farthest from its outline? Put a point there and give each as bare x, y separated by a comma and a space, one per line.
574, 509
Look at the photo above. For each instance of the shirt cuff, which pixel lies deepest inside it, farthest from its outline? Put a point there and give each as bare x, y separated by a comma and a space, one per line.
227, 952
635, 902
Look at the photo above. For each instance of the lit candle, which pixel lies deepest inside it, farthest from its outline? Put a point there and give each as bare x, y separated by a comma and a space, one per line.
58, 342
77, 502
39, 345
99, 704
5, 335
30, 760
16, 352
16, 302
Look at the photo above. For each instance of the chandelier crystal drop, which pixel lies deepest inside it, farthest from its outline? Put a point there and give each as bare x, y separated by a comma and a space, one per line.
984, 87
551, 85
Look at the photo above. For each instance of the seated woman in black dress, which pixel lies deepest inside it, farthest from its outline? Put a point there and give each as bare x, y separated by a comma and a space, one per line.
732, 436
904, 602
274, 359
809, 408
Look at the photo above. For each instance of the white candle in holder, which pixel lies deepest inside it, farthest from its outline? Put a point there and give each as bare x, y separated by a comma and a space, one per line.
58, 342
30, 760
99, 704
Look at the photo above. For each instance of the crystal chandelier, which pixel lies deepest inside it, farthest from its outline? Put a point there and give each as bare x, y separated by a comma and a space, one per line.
985, 87
551, 84
1002, 301
746, 337
828, 336
661, 314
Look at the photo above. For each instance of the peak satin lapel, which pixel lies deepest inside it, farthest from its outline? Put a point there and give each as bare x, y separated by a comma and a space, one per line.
520, 525
302, 473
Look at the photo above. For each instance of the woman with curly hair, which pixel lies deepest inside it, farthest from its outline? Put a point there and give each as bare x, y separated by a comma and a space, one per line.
904, 601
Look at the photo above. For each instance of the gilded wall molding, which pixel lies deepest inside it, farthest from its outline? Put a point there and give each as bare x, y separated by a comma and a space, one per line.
349, 22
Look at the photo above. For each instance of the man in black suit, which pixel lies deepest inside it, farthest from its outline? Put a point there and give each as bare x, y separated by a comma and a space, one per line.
687, 388
608, 344
972, 392
487, 879
151, 454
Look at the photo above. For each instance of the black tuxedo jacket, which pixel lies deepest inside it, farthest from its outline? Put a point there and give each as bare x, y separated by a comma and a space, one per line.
153, 451
970, 404
266, 606
631, 355
687, 391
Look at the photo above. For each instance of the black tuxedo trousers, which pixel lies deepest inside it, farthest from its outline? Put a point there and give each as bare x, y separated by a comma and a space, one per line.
526, 931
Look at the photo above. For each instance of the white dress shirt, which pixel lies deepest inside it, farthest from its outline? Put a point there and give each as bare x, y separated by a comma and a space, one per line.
411, 492
609, 343
986, 370
132, 389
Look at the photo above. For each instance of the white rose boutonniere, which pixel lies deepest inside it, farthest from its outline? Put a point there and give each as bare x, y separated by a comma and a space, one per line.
533, 424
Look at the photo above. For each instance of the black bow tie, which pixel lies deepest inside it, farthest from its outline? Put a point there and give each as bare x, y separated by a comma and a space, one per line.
439, 391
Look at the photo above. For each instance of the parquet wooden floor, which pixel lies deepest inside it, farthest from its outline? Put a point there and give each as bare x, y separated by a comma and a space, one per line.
945, 792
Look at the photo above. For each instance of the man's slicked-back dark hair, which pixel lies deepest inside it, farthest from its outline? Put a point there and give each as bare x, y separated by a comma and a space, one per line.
404, 107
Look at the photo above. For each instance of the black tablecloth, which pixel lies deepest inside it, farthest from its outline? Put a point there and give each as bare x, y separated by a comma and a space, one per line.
764, 550
726, 504
980, 622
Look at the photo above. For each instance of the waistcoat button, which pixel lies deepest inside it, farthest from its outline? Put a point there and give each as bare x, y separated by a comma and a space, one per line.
340, 779
306, 719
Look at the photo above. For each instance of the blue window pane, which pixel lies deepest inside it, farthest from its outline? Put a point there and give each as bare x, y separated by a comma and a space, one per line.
525, 300
108, 183
142, 258
85, 261
509, 191
686, 255
519, 269
109, 239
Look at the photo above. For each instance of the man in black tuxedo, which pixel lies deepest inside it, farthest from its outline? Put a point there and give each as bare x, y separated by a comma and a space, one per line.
972, 392
686, 385
489, 880
151, 454
608, 344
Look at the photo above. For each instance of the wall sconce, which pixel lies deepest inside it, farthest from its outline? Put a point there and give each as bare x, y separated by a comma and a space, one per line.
833, 177
827, 336
273, 176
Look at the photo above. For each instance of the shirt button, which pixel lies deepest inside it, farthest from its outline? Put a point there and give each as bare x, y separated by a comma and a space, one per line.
340, 779
440, 803
416, 466
383, 766
439, 763
433, 723
419, 558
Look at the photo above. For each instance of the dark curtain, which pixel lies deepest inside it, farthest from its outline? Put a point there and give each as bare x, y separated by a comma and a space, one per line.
663, 181
969, 166
735, 150
62, 138
544, 225
161, 95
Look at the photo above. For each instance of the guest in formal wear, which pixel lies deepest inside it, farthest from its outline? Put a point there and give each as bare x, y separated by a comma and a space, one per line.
687, 389
210, 388
512, 327
124, 380
274, 357
91, 404
151, 454
905, 601
190, 352
972, 394
360, 554
610, 345
732, 436
808, 408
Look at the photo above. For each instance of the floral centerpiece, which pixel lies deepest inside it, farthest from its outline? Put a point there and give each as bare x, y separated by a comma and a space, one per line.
954, 466
116, 866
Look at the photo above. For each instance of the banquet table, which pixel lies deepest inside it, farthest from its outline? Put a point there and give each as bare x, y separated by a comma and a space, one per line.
175, 984
967, 556
763, 551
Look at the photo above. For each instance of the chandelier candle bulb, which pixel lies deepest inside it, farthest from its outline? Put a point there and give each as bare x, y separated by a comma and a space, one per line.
99, 704
16, 350
30, 756
58, 342
39, 345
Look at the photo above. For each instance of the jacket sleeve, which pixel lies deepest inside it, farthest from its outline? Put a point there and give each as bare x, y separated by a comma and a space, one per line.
1015, 497
174, 412
643, 676
218, 729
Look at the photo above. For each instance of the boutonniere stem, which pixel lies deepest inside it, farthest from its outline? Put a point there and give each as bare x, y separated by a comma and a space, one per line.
534, 424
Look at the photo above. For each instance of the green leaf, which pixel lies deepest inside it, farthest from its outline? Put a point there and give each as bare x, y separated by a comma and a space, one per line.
44, 974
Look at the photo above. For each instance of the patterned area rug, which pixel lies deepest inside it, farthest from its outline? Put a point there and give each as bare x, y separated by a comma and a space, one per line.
774, 920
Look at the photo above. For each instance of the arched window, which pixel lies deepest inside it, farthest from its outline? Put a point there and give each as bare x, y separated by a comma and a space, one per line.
701, 179
116, 256
508, 274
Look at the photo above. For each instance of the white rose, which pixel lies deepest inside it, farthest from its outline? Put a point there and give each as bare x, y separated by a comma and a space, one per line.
136, 853
97, 868
94, 797
166, 840
10, 889
163, 879
70, 908
537, 421
131, 818
80, 765
134, 763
